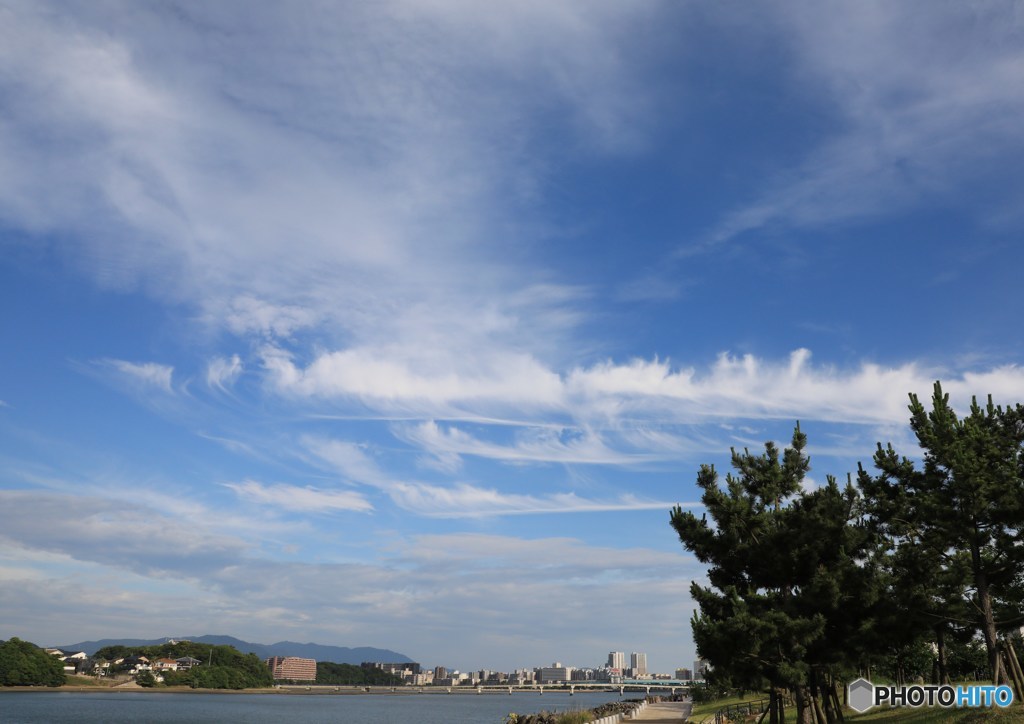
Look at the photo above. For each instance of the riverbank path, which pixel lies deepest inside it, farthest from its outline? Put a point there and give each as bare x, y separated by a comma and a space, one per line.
665, 712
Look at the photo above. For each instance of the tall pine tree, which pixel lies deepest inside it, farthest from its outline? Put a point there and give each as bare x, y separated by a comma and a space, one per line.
964, 506
787, 580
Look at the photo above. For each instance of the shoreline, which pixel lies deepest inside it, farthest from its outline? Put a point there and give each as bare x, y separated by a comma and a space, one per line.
312, 690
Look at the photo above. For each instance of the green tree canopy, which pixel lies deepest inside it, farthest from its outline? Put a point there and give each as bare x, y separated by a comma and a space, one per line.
25, 664
962, 509
789, 585
352, 675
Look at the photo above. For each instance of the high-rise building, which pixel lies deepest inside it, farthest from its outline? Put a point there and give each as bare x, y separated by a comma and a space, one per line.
292, 668
700, 668
684, 674
638, 663
616, 660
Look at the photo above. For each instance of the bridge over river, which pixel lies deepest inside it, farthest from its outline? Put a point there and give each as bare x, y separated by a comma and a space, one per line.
641, 686
645, 686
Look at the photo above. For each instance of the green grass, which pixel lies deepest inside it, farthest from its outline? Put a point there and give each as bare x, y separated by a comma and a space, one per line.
701, 712
927, 715
904, 715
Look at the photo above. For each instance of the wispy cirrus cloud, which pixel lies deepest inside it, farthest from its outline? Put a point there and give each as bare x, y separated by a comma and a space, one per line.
923, 105
300, 499
478, 552
470, 501
463, 500
149, 374
183, 136
537, 444
221, 373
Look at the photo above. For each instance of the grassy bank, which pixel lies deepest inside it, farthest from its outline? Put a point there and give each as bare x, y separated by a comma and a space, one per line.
925, 715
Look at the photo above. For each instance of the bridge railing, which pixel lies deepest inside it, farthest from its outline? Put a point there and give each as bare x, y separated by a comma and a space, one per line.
732, 712
743, 708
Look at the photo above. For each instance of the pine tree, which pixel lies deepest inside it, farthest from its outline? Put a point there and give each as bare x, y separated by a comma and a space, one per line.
788, 586
964, 507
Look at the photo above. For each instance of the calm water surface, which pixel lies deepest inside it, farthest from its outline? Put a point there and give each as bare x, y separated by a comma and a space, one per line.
135, 707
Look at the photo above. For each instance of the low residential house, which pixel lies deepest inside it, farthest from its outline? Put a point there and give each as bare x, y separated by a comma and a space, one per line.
187, 662
165, 665
65, 655
74, 661
135, 664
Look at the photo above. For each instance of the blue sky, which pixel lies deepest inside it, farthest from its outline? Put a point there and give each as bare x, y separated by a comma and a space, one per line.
404, 324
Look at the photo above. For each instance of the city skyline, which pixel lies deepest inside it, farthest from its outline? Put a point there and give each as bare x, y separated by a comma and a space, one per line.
404, 324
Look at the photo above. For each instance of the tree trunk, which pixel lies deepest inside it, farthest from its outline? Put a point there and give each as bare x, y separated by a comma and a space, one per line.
773, 706
988, 622
1018, 690
940, 644
1014, 663
820, 688
835, 699
804, 710
819, 715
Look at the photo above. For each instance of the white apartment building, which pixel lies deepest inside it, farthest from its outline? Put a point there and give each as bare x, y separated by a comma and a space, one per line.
555, 674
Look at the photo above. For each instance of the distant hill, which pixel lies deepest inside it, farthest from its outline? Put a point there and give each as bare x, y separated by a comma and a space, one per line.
337, 654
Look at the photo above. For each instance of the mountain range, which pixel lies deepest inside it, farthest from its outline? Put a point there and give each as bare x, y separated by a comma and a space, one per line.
336, 654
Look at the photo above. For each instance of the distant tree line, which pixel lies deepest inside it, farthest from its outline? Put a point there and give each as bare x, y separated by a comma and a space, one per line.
24, 664
352, 675
222, 667
917, 571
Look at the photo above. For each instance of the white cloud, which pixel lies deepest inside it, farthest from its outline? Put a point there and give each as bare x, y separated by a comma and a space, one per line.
732, 387
385, 212
540, 444
389, 376
150, 374
295, 498
489, 588
462, 500
350, 459
924, 108
468, 501
128, 536
475, 553
246, 314
221, 373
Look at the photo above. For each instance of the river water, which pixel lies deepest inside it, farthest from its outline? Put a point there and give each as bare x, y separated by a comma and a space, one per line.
59, 707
